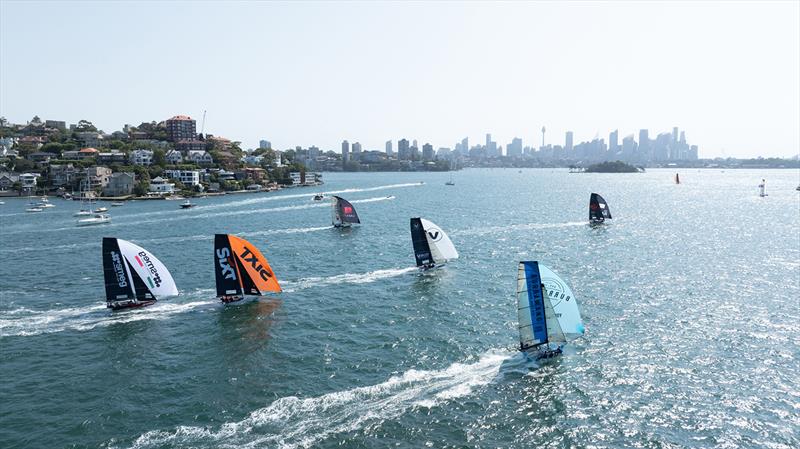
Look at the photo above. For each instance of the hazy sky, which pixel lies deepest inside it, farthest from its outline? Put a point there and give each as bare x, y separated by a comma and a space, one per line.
317, 73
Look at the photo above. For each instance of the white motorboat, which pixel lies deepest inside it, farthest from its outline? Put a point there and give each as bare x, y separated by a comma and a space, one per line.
101, 210
34, 209
95, 220
44, 202
117, 203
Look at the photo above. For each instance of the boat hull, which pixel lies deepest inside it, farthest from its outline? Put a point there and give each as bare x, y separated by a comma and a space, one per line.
129, 305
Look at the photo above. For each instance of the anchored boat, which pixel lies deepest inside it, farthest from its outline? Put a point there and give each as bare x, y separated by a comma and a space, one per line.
598, 209
241, 269
133, 276
343, 213
762, 188
547, 311
431, 245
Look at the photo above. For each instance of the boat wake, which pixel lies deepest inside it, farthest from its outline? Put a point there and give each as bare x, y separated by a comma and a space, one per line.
347, 278
518, 227
304, 195
292, 422
26, 322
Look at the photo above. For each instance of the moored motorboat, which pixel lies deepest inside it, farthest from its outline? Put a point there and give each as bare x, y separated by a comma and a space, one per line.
187, 205
82, 213
117, 203
101, 210
34, 209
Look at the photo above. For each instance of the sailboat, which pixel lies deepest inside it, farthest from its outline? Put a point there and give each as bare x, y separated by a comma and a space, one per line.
133, 276
431, 245
547, 311
677, 179
241, 269
343, 213
450, 182
762, 188
598, 209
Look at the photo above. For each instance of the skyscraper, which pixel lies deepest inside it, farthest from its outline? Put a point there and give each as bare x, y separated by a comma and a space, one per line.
427, 152
674, 134
514, 149
264, 145
403, 152
613, 141
356, 151
345, 151
488, 139
568, 143
644, 145
465, 146
388, 147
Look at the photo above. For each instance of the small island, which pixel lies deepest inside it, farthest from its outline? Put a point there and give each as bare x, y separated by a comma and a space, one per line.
611, 167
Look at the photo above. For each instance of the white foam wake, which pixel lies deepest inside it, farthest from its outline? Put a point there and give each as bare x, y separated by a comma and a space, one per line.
26, 322
518, 227
308, 195
291, 422
252, 211
347, 278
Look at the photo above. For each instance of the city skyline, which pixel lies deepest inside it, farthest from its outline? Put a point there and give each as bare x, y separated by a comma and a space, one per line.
729, 77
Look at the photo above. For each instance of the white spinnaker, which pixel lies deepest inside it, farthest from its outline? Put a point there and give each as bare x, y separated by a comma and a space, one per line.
442, 248
563, 303
523, 309
154, 274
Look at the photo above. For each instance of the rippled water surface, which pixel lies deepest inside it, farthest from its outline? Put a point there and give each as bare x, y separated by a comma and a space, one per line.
690, 295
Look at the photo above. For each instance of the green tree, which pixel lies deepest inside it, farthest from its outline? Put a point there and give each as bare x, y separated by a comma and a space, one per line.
160, 158
85, 125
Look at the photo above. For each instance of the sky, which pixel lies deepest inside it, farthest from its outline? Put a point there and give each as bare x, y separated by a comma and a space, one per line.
316, 73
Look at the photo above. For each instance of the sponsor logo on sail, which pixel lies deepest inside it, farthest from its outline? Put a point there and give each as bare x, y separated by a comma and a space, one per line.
555, 289
435, 234
251, 258
222, 257
156, 279
119, 270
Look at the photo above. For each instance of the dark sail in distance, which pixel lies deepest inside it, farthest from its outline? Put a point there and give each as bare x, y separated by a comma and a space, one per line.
598, 208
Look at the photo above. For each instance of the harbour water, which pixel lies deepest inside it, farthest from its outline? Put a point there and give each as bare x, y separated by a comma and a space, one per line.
690, 296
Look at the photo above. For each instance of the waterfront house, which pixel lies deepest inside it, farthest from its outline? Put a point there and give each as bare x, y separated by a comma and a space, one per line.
185, 145
7, 180
120, 184
112, 157
174, 157
187, 177
200, 157
62, 175
141, 157
98, 177
160, 186
28, 182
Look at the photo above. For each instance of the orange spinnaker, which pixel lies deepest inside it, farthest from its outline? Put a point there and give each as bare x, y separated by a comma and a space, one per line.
255, 264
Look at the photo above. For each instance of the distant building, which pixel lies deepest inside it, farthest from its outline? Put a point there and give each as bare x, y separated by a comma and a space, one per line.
345, 151
160, 186
120, 184
185, 145
613, 140
264, 145
200, 157
514, 149
62, 175
56, 124
181, 127
7, 180
28, 182
388, 147
186, 177
356, 153
111, 157
173, 157
98, 177
427, 152
568, 142
403, 151
141, 157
